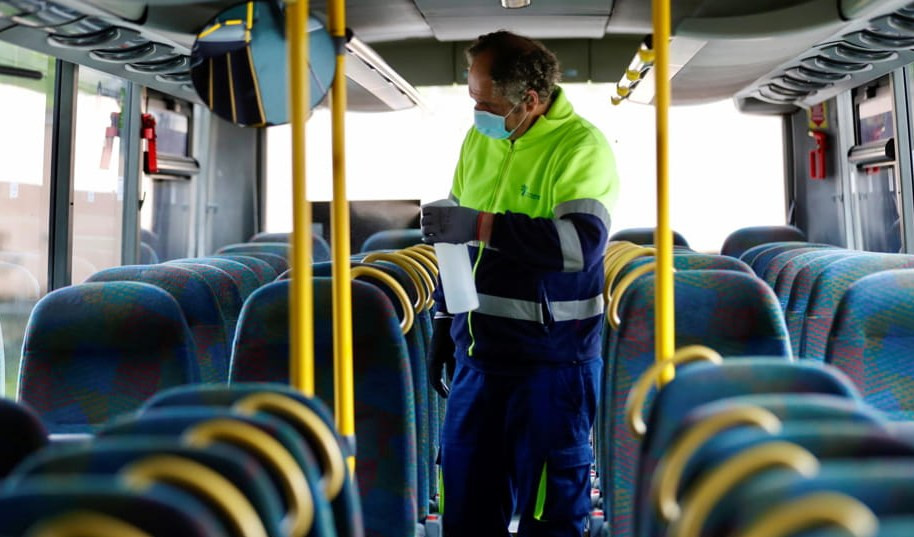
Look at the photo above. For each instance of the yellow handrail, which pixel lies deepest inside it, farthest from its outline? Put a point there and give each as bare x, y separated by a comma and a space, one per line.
423, 259
299, 502
634, 405
709, 491
664, 309
812, 511
301, 288
428, 254
669, 470
232, 504
411, 272
616, 297
618, 264
408, 315
328, 451
614, 250
344, 400
82, 523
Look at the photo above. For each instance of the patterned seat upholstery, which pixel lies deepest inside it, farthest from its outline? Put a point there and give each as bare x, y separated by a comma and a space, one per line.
347, 511
384, 403
781, 279
320, 249
264, 271
198, 303
828, 290
175, 421
770, 263
872, 340
766, 254
109, 456
23, 434
226, 291
159, 510
731, 312
95, 350
278, 263
743, 239
392, 239
645, 235
691, 261
244, 277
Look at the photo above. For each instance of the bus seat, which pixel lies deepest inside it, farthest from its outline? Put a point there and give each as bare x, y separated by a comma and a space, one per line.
175, 422
384, 403
320, 249
788, 273
750, 255
278, 263
872, 340
226, 291
282, 249
797, 296
264, 271
645, 236
245, 279
691, 261
92, 351
742, 239
784, 260
774, 258
109, 456
734, 313
392, 239
152, 239
23, 434
828, 290
198, 303
347, 511
159, 510
148, 256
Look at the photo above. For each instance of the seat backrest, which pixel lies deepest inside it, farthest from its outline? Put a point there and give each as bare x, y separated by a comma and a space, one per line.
148, 255
264, 271
245, 278
872, 338
734, 313
692, 261
645, 235
278, 263
392, 239
226, 291
282, 249
110, 456
761, 261
384, 401
320, 249
828, 290
159, 510
742, 239
199, 305
23, 434
787, 273
92, 351
772, 262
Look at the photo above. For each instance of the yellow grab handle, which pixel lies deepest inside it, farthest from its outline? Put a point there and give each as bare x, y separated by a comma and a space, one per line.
615, 250
815, 510
329, 451
669, 470
616, 297
408, 314
634, 405
424, 259
710, 490
424, 276
620, 262
300, 504
410, 270
232, 504
82, 523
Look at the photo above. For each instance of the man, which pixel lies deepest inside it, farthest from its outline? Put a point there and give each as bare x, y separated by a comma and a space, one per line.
534, 184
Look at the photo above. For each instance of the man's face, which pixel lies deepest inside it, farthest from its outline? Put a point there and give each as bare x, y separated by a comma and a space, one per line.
489, 99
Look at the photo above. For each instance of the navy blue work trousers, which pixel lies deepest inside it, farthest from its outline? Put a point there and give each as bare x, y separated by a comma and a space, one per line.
519, 442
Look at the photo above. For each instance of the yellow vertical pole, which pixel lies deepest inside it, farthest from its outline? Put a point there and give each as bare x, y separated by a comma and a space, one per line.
301, 306
664, 312
344, 402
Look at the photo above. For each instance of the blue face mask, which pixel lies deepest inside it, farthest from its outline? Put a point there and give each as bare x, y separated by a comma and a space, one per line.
493, 125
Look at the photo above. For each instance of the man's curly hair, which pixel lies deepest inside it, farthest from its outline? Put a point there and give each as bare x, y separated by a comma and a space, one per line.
518, 64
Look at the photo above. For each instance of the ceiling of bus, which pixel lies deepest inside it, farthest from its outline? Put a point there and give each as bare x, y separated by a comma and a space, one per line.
725, 48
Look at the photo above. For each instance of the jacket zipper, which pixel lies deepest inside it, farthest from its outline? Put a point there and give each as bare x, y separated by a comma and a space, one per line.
482, 245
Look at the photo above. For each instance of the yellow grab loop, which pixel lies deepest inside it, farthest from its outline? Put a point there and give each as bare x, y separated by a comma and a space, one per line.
428, 254
344, 400
301, 288
408, 315
664, 309
710, 490
328, 449
423, 259
614, 250
634, 405
813, 511
411, 271
82, 523
187, 474
616, 297
617, 265
669, 471
300, 503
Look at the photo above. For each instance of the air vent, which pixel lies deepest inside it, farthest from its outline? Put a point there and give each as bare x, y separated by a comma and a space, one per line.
800, 84
814, 75
50, 15
145, 52
767, 94
842, 52
112, 37
788, 92
821, 63
175, 78
87, 25
870, 39
170, 65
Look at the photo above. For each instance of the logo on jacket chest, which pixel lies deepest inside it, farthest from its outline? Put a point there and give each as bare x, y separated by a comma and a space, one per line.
526, 193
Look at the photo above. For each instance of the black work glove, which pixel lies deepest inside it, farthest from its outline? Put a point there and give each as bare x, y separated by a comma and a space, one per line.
441, 355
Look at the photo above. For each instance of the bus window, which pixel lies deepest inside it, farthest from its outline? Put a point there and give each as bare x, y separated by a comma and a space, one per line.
27, 104
98, 173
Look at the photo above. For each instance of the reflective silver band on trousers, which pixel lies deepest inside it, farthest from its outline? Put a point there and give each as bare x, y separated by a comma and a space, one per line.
527, 310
